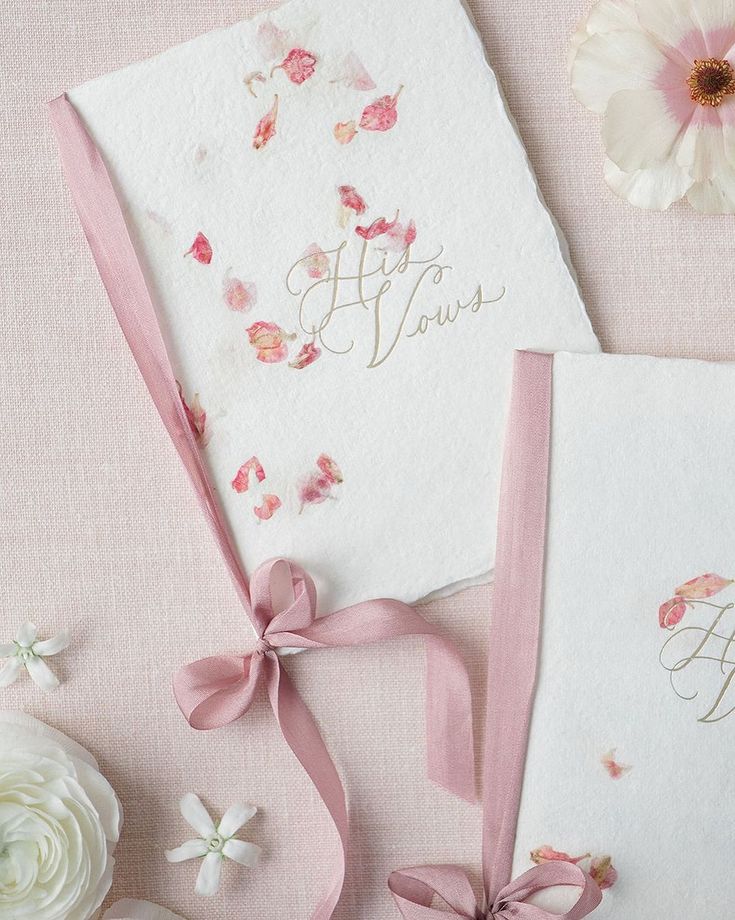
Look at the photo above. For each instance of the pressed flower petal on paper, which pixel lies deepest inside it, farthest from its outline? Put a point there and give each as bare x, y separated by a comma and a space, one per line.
271, 41
250, 79
251, 467
352, 199
671, 612
329, 468
239, 296
615, 770
315, 261
345, 131
196, 417
266, 128
200, 249
354, 74
308, 355
265, 511
269, 341
546, 854
299, 65
377, 228
382, 114
703, 586
603, 872
314, 489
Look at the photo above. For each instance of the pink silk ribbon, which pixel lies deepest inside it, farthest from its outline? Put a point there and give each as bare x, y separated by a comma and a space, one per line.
218, 690
511, 681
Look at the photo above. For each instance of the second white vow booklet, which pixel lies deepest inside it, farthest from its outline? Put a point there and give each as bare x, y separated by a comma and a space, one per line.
344, 243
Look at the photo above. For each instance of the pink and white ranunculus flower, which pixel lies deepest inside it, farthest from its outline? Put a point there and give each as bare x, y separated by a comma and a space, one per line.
662, 73
59, 823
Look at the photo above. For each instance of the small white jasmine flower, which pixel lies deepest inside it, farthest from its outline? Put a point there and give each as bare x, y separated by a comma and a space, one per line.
215, 842
29, 652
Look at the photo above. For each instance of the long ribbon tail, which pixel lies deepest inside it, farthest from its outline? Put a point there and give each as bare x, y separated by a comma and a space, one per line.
414, 890
303, 737
449, 730
515, 623
104, 226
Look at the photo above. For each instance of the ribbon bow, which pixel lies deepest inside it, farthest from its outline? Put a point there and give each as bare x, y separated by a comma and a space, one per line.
415, 889
216, 691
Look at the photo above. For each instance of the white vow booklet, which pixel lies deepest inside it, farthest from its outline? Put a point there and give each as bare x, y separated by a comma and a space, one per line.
344, 243
629, 769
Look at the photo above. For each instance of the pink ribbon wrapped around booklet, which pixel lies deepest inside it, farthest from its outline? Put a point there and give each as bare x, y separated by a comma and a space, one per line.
615, 545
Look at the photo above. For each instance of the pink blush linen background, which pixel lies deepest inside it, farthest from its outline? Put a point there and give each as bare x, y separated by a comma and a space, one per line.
101, 532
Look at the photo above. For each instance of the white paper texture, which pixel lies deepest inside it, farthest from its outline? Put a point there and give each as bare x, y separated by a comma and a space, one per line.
641, 500
410, 507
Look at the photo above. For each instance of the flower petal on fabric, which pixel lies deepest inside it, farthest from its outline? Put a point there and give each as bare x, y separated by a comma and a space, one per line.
7, 649
234, 818
607, 64
54, 645
655, 188
196, 815
713, 191
209, 875
192, 849
10, 671
42, 674
246, 854
638, 130
26, 635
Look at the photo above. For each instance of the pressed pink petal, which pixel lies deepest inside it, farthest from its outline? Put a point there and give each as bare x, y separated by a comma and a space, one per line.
269, 340
314, 489
241, 482
616, 770
603, 872
195, 416
271, 503
308, 355
546, 854
703, 586
352, 199
266, 128
382, 114
344, 131
400, 236
200, 249
299, 65
271, 41
239, 295
315, 261
355, 75
377, 228
671, 612
329, 468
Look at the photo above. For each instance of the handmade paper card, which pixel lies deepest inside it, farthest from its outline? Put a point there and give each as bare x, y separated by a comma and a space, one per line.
344, 242
627, 773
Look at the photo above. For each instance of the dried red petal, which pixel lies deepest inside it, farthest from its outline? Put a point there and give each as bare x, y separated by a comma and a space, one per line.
266, 126
299, 65
382, 114
377, 228
352, 199
241, 482
308, 355
271, 503
703, 586
201, 249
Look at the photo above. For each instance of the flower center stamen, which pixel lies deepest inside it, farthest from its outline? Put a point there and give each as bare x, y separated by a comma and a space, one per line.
710, 81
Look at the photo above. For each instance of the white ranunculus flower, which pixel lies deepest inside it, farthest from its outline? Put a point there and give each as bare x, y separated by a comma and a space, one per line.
662, 73
138, 910
59, 822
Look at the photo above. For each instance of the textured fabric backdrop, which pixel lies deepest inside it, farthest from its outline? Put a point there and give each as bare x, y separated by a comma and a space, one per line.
100, 528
